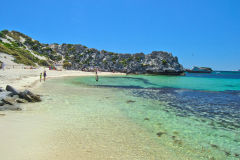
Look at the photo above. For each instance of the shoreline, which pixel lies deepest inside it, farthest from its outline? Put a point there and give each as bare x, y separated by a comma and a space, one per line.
66, 122
29, 78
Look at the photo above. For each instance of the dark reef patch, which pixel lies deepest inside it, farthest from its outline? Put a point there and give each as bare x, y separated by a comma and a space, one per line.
145, 81
222, 109
131, 101
159, 134
118, 86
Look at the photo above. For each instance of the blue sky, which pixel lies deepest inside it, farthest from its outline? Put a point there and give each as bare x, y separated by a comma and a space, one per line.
199, 32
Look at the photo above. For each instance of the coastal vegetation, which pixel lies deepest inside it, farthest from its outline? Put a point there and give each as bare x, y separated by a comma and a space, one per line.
28, 51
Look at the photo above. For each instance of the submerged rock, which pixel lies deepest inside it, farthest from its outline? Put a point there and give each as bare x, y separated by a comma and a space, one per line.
214, 146
178, 142
159, 134
130, 101
227, 153
175, 132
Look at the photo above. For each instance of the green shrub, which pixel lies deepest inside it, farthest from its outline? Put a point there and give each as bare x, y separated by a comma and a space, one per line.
114, 58
43, 62
164, 62
66, 64
138, 59
14, 36
35, 47
58, 58
29, 41
130, 59
5, 31
18, 34
15, 44
20, 55
124, 62
69, 45
2, 35
72, 49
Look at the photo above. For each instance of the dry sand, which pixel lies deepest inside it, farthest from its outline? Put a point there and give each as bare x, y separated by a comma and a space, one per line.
28, 78
22, 77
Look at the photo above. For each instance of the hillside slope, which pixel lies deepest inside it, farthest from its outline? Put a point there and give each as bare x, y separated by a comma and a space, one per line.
79, 57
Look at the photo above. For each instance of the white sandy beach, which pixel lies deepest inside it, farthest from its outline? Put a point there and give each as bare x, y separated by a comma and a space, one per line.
34, 134
38, 133
22, 77
28, 78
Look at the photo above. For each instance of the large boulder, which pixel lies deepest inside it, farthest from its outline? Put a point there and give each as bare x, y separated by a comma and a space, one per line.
4, 95
1, 103
9, 100
19, 100
29, 96
11, 89
1, 89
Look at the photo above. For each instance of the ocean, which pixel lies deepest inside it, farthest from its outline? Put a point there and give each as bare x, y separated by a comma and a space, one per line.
196, 116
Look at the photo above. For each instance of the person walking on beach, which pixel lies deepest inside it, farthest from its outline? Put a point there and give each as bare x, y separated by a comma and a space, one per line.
40, 77
44, 75
96, 74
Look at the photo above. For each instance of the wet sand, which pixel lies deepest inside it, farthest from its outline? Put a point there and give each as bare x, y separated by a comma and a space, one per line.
73, 126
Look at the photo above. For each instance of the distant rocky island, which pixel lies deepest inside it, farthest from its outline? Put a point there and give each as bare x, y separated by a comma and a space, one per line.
79, 57
199, 70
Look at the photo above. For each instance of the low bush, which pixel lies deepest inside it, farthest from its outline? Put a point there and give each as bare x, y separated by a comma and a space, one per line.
66, 65
42, 62
164, 62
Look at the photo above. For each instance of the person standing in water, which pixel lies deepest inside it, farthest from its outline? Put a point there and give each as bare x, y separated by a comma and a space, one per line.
40, 77
44, 75
96, 74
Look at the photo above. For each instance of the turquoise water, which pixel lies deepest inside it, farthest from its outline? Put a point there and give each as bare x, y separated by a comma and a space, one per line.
217, 81
196, 116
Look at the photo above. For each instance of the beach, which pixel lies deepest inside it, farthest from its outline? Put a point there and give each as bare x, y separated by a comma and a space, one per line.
123, 117
27, 78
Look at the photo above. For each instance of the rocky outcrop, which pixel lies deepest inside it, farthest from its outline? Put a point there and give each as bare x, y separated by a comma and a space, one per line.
199, 70
79, 57
10, 98
87, 59
12, 90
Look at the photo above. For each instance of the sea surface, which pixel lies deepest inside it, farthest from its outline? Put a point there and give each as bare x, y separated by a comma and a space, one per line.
196, 116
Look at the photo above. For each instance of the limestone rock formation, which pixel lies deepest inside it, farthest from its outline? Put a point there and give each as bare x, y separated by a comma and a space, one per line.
79, 57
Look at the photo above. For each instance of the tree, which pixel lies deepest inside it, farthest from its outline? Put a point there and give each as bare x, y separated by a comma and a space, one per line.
66, 65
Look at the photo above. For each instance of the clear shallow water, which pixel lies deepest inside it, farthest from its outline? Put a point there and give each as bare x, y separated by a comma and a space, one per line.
217, 81
131, 117
197, 115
